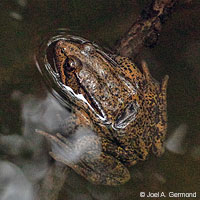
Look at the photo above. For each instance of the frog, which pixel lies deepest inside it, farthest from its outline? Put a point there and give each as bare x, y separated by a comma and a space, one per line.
122, 106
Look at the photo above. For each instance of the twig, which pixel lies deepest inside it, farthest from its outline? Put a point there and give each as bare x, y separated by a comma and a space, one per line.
145, 31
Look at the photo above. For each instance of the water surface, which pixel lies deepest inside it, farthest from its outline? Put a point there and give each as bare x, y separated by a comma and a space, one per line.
26, 105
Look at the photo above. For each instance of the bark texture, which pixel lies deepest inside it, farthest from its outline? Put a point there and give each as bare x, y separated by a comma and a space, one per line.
145, 31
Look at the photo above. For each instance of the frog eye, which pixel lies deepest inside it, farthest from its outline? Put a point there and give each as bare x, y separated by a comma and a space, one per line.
69, 65
62, 51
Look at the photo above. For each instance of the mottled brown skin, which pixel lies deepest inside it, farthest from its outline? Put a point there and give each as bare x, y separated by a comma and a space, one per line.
124, 107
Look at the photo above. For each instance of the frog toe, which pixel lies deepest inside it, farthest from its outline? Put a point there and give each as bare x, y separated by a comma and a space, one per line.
104, 170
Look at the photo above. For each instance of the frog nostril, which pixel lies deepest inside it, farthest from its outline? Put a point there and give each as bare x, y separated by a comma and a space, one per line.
88, 47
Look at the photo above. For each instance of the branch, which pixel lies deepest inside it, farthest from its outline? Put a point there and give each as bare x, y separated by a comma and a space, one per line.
145, 31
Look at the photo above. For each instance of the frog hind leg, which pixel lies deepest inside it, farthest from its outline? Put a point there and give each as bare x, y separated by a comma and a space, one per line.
161, 125
104, 170
86, 158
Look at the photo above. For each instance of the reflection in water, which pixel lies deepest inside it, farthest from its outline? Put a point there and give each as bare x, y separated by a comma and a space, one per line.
175, 142
42, 114
28, 149
16, 16
161, 179
14, 144
22, 3
14, 185
195, 153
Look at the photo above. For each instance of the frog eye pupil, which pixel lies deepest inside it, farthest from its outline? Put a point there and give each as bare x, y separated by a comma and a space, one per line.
62, 51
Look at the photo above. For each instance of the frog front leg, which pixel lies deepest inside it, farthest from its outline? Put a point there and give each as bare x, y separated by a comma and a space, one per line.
84, 155
67, 126
75, 120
